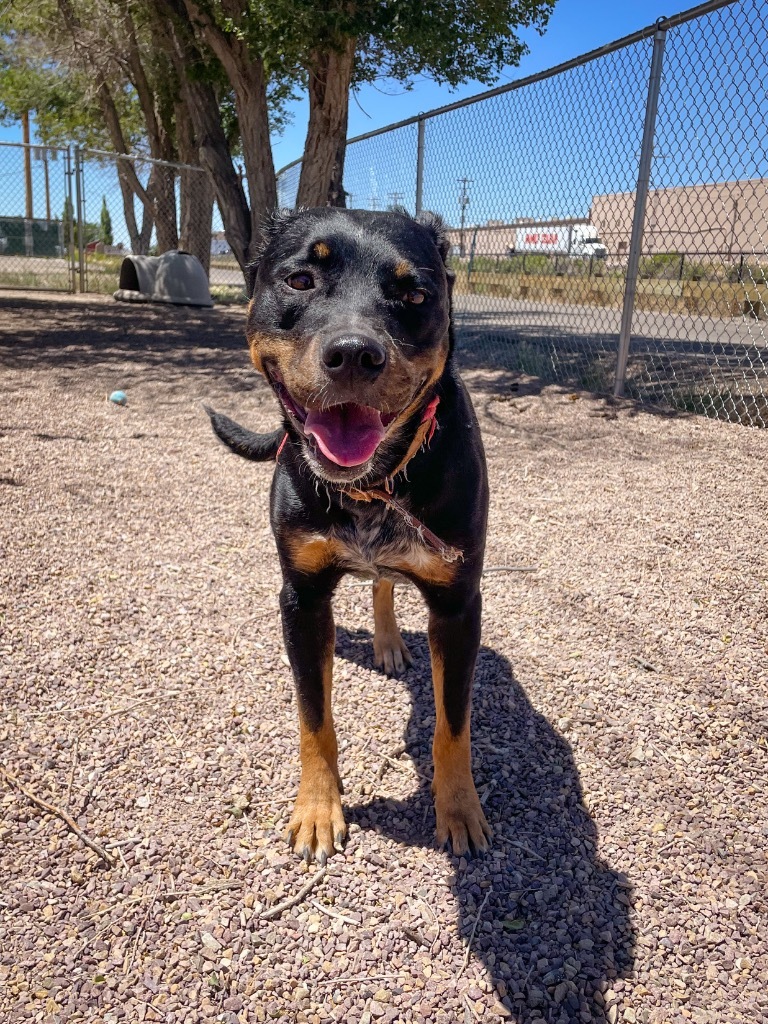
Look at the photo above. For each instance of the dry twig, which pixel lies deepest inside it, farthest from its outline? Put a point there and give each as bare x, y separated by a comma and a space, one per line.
469, 1006
472, 936
332, 913
68, 798
529, 851
357, 977
139, 930
277, 910
643, 663
90, 726
390, 759
510, 568
68, 820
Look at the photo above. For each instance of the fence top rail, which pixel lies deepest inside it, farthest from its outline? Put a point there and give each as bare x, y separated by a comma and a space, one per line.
601, 51
104, 154
36, 145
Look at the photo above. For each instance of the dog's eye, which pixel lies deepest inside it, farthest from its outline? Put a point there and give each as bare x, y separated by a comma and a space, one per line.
301, 282
415, 296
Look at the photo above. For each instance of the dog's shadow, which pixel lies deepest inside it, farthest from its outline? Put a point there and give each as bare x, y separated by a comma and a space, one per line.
555, 926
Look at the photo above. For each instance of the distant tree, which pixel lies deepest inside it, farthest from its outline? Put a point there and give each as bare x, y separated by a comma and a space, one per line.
106, 223
67, 220
91, 232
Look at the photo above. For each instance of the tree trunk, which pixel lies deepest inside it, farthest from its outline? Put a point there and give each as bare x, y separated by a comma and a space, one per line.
330, 75
162, 188
112, 120
145, 236
216, 158
248, 79
336, 194
162, 179
196, 194
196, 216
128, 211
176, 35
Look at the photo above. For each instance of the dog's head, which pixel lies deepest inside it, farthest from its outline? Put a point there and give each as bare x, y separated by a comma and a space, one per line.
350, 321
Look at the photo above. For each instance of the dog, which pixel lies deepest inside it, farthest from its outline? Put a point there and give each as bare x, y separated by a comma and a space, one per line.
380, 472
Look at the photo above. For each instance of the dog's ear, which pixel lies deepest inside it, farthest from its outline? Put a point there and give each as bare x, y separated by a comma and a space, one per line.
435, 225
278, 219
271, 228
251, 270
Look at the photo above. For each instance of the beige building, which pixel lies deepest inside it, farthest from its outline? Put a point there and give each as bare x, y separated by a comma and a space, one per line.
729, 219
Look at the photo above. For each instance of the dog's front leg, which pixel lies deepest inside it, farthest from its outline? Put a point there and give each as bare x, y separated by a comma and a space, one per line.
317, 824
454, 640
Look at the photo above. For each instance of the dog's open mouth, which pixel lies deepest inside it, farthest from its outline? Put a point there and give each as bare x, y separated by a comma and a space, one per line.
347, 434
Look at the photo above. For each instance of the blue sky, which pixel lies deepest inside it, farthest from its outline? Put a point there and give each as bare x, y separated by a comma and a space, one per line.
545, 151
575, 27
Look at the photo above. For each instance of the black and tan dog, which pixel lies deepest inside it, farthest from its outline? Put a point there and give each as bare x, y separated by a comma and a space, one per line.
380, 472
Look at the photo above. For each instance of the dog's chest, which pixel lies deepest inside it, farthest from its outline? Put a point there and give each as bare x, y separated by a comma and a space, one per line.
375, 543
381, 544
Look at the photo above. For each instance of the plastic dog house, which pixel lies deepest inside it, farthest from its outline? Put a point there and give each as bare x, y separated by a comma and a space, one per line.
176, 277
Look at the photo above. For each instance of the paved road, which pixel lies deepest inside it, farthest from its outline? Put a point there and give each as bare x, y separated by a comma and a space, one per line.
494, 318
488, 315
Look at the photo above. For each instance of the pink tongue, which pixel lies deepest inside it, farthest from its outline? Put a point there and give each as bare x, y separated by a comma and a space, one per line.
347, 434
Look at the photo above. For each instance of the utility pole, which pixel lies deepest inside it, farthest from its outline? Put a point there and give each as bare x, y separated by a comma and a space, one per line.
29, 214
373, 202
395, 198
463, 204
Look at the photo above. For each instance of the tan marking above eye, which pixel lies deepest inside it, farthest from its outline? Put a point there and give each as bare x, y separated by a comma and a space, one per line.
403, 269
321, 250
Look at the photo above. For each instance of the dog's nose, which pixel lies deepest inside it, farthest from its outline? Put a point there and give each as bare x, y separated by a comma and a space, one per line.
353, 355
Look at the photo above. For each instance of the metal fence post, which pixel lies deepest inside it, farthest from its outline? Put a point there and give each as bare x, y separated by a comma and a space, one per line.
69, 227
641, 194
79, 218
420, 165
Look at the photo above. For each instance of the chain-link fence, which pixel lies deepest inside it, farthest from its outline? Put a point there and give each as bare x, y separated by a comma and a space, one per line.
136, 205
68, 218
608, 218
36, 217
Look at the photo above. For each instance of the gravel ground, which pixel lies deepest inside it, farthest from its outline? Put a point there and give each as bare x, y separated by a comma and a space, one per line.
619, 727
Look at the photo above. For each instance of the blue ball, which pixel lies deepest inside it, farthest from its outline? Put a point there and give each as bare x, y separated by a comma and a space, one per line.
119, 398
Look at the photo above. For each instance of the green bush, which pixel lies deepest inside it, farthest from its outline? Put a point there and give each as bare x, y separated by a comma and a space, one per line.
664, 266
751, 273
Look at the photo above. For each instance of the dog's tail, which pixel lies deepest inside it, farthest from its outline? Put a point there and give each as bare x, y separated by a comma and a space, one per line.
245, 443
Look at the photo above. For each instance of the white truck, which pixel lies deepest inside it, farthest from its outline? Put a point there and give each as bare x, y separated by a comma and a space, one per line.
559, 240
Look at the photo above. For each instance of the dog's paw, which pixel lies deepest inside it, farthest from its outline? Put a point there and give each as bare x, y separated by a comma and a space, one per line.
390, 653
461, 821
317, 825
